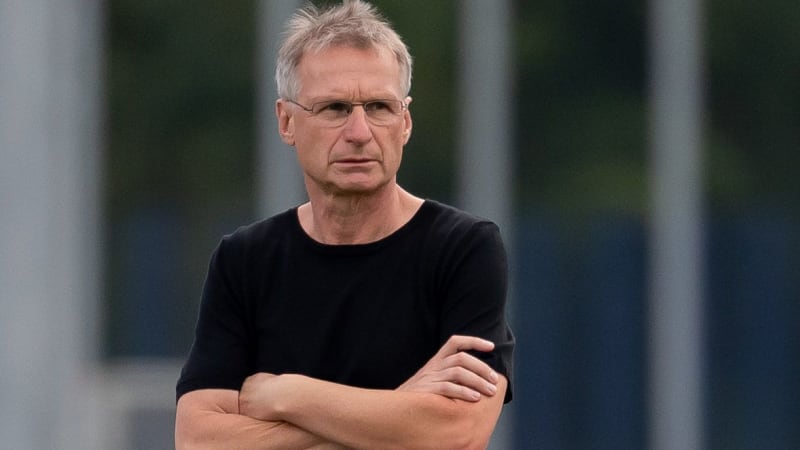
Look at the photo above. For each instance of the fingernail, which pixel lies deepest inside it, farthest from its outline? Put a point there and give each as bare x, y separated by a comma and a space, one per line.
494, 377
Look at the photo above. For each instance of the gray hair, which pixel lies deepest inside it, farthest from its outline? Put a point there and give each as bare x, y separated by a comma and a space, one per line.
354, 23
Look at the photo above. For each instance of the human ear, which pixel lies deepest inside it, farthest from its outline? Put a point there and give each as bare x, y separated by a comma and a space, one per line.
285, 122
407, 122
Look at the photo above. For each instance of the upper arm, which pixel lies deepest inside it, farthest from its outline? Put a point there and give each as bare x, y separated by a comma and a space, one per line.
474, 296
220, 352
209, 400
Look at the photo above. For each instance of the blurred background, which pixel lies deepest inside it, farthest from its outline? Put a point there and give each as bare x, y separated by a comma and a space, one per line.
135, 133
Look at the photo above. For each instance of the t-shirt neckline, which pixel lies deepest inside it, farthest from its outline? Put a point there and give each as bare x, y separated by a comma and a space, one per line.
368, 247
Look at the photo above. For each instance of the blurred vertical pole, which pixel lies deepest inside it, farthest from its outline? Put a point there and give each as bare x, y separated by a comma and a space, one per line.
49, 219
484, 97
279, 180
484, 157
676, 256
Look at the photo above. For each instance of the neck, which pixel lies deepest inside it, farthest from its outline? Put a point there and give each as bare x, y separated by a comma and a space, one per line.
357, 219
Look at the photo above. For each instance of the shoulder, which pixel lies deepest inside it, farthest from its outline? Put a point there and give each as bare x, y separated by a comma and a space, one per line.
258, 237
262, 230
448, 235
448, 221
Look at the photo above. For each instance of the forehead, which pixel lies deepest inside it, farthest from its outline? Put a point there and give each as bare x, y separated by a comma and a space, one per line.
349, 71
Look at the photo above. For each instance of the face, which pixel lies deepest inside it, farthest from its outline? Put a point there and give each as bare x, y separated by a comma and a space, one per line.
357, 157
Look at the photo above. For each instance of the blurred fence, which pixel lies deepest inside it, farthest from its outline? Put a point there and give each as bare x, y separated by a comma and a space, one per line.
580, 320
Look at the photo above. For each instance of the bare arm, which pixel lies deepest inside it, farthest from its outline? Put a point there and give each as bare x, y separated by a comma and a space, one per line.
210, 419
451, 401
454, 401
364, 418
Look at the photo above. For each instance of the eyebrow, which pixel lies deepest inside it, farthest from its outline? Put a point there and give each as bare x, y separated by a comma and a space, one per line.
383, 95
365, 100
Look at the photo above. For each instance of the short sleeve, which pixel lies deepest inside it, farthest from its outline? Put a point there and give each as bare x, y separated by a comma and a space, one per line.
475, 285
218, 358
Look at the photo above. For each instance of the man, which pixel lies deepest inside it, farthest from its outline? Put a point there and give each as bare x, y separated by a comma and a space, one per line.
367, 317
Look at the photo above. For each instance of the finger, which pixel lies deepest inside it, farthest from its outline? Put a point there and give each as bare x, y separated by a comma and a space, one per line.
472, 364
457, 343
457, 392
453, 390
469, 379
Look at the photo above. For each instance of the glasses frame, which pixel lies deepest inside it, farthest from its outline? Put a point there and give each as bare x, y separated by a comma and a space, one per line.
352, 105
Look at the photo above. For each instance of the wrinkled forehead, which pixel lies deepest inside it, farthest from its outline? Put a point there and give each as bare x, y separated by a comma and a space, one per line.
333, 65
361, 45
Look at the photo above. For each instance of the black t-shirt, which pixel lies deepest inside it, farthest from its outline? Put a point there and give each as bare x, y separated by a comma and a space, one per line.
367, 315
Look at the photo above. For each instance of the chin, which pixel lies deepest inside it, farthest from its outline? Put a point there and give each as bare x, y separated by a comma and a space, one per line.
359, 188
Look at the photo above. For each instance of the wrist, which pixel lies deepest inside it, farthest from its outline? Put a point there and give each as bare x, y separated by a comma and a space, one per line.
283, 387
263, 396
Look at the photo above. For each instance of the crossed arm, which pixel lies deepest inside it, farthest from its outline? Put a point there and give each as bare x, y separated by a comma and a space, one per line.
451, 402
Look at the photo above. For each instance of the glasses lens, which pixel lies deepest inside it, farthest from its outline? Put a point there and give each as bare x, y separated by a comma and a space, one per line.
383, 111
378, 112
333, 111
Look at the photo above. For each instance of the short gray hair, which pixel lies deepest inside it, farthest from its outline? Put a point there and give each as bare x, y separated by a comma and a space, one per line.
354, 23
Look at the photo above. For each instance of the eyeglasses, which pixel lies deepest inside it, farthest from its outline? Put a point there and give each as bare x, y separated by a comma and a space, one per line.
334, 113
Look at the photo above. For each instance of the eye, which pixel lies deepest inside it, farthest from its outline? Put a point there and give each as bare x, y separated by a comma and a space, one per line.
335, 107
378, 106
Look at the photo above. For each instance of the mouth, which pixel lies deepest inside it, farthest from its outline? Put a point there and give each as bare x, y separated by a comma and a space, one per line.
354, 161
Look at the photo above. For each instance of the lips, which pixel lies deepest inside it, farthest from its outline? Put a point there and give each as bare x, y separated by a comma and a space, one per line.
354, 161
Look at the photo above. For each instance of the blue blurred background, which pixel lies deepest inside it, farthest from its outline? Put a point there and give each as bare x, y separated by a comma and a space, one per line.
173, 156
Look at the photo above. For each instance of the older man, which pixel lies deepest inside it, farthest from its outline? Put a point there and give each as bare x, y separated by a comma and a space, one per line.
367, 317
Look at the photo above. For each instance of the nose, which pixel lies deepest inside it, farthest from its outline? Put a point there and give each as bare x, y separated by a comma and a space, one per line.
357, 129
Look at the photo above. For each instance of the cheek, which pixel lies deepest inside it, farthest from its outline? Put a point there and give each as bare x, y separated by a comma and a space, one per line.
400, 143
394, 155
395, 143
311, 158
310, 152
312, 140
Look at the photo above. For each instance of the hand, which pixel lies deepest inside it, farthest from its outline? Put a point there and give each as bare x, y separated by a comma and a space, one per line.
455, 374
257, 396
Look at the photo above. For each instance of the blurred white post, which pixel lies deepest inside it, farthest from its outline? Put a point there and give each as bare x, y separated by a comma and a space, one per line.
676, 256
49, 219
279, 179
484, 159
485, 122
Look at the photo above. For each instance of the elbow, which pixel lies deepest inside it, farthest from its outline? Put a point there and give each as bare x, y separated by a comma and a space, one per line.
460, 427
471, 437
476, 443
468, 440
190, 432
474, 423
183, 441
203, 419
184, 438
188, 438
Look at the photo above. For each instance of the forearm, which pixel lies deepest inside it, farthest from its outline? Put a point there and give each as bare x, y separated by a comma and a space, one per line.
363, 418
200, 426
